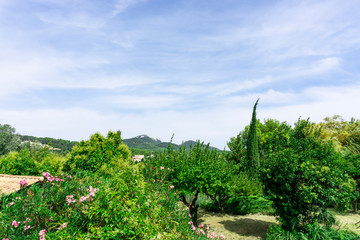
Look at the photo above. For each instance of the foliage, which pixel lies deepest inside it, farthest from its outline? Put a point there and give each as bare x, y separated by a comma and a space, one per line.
272, 137
31, 161
345, 135
252, 149
243, 205
303, 178
98, 153
9, 141
309, 232
121, 206
136, 151
199, 170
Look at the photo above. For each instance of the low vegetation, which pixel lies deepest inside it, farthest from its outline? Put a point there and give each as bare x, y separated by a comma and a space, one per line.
295, 174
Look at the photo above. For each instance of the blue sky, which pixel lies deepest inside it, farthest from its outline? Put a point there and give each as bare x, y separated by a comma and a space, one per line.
192, 68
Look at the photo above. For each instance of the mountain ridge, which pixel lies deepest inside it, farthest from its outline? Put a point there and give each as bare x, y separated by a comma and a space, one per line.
137, 144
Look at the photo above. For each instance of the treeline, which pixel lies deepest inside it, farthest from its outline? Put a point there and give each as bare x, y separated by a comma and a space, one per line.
61, 145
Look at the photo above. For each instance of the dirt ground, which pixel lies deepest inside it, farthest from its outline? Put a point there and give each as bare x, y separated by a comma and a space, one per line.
10, 183
254, 226
248, 227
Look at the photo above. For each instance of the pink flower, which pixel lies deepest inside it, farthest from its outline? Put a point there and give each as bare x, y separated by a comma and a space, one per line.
27, 220
46, 174
70, 199
222, 236
82, 199
190, 223
161, 168
69, 177
62, 226
5, 239
171, 186
193, 228
23, 183
57, 179
92, 191
15, 223
26, 227
12, 203
50, 219
201, 225
42, 234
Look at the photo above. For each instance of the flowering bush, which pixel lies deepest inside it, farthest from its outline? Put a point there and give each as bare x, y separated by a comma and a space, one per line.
92, 206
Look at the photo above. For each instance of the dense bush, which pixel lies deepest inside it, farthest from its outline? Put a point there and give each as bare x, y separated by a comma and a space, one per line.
310, 232
31, 161
84, 206
242, 205
97, 153
303, 179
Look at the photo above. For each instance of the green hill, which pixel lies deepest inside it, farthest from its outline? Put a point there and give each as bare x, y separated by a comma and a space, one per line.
142, 144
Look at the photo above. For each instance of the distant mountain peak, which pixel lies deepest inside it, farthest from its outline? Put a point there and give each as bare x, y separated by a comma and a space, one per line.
146, 137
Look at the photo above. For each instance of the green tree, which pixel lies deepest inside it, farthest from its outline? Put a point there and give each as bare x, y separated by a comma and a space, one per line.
97, 153
304, 178
345, 135
252, 148
272, 136
194, 171
9, 141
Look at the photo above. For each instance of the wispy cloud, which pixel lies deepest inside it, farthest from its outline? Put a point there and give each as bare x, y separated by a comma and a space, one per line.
190, 68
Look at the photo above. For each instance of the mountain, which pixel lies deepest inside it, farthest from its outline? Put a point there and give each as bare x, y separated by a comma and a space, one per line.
144, 142
138, 145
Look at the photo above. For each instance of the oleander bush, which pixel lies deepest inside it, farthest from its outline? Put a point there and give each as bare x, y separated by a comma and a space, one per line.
91, 206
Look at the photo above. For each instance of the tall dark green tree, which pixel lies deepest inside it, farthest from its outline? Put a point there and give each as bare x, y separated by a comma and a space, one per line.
252, 148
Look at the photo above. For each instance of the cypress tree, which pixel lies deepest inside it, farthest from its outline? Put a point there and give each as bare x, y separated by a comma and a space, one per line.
252, 148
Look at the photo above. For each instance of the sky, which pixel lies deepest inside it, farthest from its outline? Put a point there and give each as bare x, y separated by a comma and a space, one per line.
192, 68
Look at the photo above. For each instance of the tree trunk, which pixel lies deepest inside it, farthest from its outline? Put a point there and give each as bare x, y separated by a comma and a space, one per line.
355, 204
193, 208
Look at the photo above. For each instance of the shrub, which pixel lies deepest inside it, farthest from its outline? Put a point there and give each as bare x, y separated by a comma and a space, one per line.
303, 179
309, 232
31, 161
85, 206
243, 205
98, 153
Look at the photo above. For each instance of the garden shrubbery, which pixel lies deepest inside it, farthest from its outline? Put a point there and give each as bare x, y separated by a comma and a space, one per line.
31, 161
310, 232
109, 199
